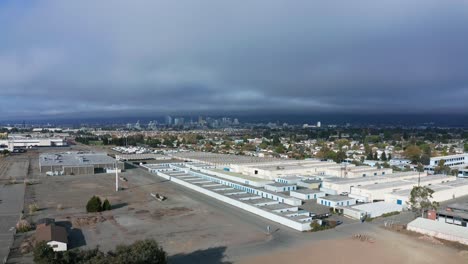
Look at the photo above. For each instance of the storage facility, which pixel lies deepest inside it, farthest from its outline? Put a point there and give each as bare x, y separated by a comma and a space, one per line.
307, 194
335, 201
280, 187
371, 210
377, 192
442, 192
340, 185
75, 163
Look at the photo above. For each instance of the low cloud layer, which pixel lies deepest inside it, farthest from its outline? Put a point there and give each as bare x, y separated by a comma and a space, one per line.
66, 58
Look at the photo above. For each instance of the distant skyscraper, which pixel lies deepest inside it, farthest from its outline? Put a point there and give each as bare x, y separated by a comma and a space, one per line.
319, 124
168, 120
236, 121
179, 121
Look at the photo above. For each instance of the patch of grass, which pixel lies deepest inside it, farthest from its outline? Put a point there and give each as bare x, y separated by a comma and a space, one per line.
33, 208
390, 214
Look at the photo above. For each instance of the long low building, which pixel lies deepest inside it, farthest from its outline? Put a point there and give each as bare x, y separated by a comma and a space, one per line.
356, 172
439, 230
337, 185
377, 192
26, 142
442, 192
75, 163
275, 207
371, 210
307, 194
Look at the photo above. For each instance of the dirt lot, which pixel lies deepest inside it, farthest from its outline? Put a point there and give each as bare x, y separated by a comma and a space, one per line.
383, 247
181, 224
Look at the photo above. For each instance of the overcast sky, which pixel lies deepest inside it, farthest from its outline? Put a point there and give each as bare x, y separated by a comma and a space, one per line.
66, 58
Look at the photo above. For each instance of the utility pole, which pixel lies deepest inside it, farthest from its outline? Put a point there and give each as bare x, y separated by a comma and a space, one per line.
116, 177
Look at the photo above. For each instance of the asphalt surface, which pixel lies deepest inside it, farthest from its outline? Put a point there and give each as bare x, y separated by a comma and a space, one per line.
11, 205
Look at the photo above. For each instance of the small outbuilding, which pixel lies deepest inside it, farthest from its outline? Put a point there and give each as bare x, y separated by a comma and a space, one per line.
55, 236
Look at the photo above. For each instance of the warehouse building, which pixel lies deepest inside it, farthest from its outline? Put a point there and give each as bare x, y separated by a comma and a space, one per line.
335, 201
75, 163
355, 172
276, 207
280, 187
454, 214
307, 194
442, 192
310, 184
371, 210
377, 192
336, 185
289, 179
14, 142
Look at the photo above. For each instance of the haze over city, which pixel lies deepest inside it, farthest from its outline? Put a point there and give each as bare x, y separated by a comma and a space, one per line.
174, 132
112, 58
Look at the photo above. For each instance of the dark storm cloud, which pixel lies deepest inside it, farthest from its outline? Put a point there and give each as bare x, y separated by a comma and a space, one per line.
67, 57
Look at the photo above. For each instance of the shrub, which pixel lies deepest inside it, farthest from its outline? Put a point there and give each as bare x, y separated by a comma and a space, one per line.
33, 208
318, 227
106, 206
94, 205
23, 226
144, 251
390, 214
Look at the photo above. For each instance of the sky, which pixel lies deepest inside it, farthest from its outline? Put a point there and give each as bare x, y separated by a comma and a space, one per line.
109, 58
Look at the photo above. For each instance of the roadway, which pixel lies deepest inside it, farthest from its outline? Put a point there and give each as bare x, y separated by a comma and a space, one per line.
11, 205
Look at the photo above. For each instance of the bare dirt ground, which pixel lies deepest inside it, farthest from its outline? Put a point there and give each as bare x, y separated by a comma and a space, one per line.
384, 247
182, 224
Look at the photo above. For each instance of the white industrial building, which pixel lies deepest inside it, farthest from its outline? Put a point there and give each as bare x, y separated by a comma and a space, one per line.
439, 230
280, 187
371, 210
307, 194
290, 179
338, 185
377, 192
356, 172
450, 160
335, 201
442, 192
26, 142
276, 207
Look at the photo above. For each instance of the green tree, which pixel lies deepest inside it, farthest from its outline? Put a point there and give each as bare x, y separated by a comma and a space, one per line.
376, 156
106, 206
43, 253
94, 205
413, 153
420, 199
143, 251
383, 157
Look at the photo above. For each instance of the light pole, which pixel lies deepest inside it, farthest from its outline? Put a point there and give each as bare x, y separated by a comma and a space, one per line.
116, 177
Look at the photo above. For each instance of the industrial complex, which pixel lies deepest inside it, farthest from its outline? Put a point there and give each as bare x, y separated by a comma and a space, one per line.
73, 163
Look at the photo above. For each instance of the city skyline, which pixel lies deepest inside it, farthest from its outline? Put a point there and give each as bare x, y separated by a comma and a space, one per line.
100, 59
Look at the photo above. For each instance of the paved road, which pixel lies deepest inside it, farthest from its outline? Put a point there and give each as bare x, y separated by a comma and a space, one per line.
11, 204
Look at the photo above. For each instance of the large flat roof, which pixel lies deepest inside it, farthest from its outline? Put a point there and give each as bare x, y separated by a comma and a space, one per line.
74, 159
336, 198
